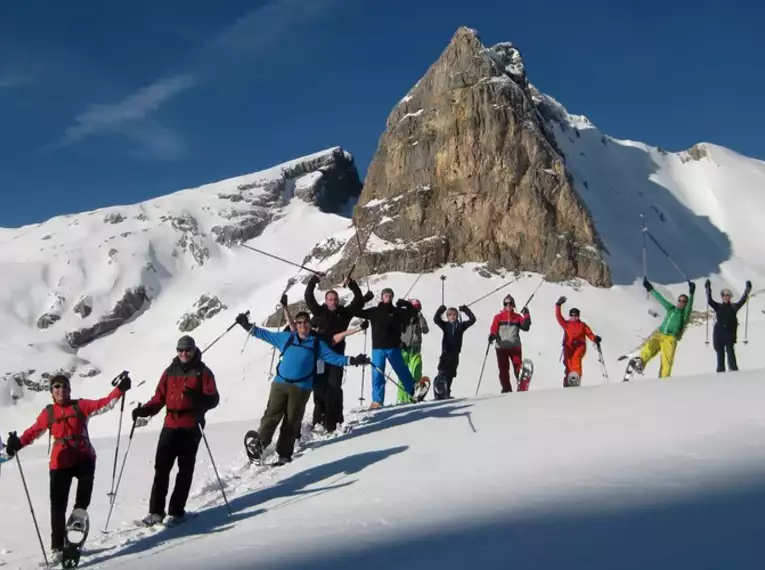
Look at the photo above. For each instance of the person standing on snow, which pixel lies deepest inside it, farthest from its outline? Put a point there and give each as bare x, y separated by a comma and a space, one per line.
506, 331
670, 331
575, 335
451, 346
724, 334
387, 321
187, 390
72, 455
331, 321
292, 385
411, 346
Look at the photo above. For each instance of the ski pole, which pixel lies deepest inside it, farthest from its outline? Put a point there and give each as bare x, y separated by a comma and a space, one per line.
31, 508
664, 251
645, 262
443, 280
542, 282
746, 324
602, 364
247, 313
113, 494
363, 371
391, 380
706, 318
515, 279
215, 468
359, 258
480, 376
406, 295
256, 250
115, 382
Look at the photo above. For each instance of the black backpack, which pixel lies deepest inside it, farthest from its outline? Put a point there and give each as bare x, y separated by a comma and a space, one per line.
53, 419
291, 342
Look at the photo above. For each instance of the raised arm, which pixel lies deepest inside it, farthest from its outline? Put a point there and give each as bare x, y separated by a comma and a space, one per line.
559, 316
471, 317
711, 302
358, 298
94, 407
330, 356
438, 317
309, 296
289, 319
740, 303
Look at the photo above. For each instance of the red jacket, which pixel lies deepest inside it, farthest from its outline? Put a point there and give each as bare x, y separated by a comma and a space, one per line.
182, 411
506, 327
68, 424
575, 332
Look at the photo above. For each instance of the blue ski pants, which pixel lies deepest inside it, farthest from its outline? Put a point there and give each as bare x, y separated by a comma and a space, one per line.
396, 359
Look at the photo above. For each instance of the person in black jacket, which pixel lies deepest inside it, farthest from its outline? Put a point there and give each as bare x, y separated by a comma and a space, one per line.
451, 345
726, 325
331, 321
387, 321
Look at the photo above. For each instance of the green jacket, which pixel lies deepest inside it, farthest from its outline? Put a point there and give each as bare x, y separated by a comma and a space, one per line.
676, 319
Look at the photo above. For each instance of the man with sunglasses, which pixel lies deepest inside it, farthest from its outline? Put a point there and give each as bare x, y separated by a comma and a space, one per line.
72, 455
670, 331
575, 335
292, 384
725, 331
506, 331
187, 390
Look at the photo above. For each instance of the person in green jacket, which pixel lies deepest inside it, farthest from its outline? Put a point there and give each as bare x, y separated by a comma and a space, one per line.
665, 338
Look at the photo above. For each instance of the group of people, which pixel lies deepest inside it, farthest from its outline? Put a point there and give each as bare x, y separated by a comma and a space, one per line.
312, 360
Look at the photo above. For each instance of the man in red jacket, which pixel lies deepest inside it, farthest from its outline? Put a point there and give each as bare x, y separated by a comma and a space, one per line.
187, 389
506, 331
576, 333
72, 455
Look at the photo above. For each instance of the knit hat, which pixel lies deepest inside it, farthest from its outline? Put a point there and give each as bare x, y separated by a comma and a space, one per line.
185, 342
509, 298
574, 312
416, 303
59, 379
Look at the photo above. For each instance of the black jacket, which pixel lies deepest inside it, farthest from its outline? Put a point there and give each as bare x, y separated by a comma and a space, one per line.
387, 322
726, 320
328, 323
452, 339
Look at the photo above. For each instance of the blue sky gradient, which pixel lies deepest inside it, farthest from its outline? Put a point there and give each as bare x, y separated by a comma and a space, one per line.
104, 103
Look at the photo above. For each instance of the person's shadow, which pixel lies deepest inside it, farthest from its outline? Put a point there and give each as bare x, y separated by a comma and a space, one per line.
292, 489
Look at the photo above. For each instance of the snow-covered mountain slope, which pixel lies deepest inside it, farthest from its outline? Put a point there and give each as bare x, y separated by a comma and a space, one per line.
631, 476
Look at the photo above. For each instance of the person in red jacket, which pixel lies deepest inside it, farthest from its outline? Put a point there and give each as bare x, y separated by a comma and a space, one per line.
506, 331
187, 389
72, 455
575, 335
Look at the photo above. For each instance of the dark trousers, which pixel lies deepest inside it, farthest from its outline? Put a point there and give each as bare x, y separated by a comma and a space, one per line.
724, 346
60, 485
328, 397
447, 371
181, 444
285, 402
504, 357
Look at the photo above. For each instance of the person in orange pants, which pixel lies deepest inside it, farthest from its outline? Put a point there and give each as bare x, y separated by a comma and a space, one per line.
575, 335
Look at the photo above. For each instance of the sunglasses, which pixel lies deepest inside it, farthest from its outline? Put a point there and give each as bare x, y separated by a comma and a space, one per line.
59, 386
186, 350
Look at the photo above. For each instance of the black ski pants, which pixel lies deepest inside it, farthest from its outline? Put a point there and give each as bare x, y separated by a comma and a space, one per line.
724, 345
447, 371
60, 485
286, 402
181, 444
328, 397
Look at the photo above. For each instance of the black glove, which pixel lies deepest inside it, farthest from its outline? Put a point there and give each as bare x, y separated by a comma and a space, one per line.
359, 360
124, 384
243, 321
708, 285
368, 296
597, 339
463, 308
140, 412
196, 397
647, 284
13, 445
402, 303
492, 338
525, 311
691, 287
364, 325
748, 285
283, 301
560, 301
314, 279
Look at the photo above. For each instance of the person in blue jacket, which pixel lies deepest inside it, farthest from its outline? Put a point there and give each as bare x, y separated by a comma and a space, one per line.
293, 382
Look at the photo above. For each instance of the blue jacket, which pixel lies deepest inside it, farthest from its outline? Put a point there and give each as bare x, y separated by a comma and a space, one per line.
298, 360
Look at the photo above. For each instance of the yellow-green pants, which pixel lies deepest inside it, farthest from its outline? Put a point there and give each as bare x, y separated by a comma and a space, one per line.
660, 342
413, 359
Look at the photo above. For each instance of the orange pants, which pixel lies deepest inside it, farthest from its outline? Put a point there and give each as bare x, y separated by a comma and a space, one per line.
572, 360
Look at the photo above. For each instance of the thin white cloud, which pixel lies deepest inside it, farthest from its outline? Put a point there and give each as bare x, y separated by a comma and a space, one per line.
154, 141
9, 80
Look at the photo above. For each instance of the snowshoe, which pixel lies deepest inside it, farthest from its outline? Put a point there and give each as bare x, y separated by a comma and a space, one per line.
440, 388
77, 529
634, 365
150, 520
572, 380
527, 371
253, 446
421, 389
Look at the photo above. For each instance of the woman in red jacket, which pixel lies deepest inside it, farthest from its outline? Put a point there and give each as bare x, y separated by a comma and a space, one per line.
575, 335
506, 331
72, 454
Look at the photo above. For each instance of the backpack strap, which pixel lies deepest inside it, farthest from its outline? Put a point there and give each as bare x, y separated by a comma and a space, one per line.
77, 413
312, 374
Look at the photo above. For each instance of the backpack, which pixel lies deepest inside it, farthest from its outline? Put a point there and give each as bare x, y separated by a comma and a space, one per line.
53, 419
313, 373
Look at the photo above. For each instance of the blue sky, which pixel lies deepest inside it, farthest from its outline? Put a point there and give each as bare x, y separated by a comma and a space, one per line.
106, 103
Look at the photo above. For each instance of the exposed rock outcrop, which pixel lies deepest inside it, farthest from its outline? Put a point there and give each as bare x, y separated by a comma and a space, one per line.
132, 303
206, 307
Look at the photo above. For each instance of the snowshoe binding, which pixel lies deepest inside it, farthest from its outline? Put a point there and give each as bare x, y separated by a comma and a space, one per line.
440, 388
77, 529
634, 365
527, 371
421, 389
572, 380
253, 446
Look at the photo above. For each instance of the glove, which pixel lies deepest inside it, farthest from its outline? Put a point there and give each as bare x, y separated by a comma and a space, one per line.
708, 285
691, 287
368, 296
124, 384
314, 279
748, 285
525, 311
13, 445
359, 360
463, 308
492, 338
560, 301
597, 339
243, 321
402, 303
283, 301
195, 396
647, 284
364, 325
140, 412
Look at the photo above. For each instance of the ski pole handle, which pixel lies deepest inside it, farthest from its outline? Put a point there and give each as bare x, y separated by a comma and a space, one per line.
117, 379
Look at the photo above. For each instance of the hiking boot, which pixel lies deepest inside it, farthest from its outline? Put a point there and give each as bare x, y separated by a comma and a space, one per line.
174, 520
56, 556
375, 406
152, 518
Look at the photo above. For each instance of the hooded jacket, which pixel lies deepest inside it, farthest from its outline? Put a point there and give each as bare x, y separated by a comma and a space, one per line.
387, 322
411, 338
